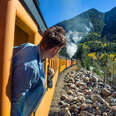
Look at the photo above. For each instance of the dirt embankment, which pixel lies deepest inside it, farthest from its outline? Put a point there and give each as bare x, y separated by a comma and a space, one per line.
82, 93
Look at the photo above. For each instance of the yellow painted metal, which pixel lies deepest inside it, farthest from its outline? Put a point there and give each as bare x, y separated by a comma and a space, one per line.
62, 64
37, 38
45, 70
17, 27
68, 62
24, 16
44, 107
7, 24
25, 31
73, 62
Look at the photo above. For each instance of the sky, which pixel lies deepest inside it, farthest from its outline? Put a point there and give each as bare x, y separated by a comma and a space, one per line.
55, 11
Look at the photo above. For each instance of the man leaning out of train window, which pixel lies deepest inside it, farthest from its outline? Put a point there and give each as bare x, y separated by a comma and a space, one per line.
28, 77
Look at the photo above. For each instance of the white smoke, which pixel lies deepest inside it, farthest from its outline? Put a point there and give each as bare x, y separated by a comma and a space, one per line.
73, 39
71, 48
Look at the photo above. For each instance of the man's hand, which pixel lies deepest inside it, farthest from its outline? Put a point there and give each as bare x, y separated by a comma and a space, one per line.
51, 72
49, 77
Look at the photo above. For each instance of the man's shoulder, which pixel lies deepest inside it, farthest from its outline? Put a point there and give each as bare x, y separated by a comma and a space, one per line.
24, 45
28, 44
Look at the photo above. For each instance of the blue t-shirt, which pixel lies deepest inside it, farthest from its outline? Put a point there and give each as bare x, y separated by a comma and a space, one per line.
28, 79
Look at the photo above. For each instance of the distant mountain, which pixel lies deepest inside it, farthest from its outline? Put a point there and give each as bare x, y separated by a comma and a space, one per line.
91, 39
95, 30
91, 20
110, 24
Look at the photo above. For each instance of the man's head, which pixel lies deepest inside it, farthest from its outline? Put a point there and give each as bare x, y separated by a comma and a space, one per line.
53, 40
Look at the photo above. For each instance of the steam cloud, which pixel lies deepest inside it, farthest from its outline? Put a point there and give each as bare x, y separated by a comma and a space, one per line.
73, 39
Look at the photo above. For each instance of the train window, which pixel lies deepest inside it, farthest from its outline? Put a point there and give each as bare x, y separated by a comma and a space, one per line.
23, 33
20, 36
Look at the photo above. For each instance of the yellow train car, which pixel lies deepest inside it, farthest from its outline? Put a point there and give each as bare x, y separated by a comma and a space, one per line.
62, 64
68, 62
73, 61
19, 24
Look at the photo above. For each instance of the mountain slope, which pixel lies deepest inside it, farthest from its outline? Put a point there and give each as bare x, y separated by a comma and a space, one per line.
110, 25
84, 33
91, 20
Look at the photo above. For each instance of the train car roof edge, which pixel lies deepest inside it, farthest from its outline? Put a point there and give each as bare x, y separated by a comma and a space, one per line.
32, 7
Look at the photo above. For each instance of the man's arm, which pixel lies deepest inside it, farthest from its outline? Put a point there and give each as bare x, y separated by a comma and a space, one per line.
50, 76
27, 90
22, 80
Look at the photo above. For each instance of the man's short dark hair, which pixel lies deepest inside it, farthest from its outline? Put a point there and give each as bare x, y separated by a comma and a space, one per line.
54, 36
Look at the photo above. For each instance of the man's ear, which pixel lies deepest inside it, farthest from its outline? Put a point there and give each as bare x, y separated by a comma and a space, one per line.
55, 49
